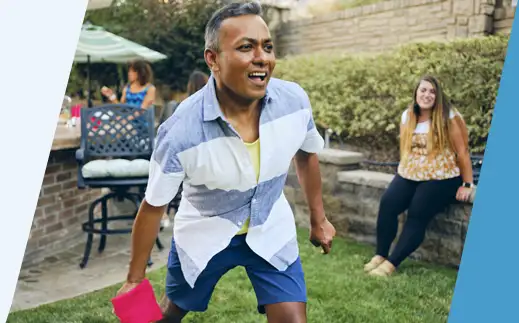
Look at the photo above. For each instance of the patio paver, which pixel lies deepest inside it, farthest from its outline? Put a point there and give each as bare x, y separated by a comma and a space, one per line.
60, 277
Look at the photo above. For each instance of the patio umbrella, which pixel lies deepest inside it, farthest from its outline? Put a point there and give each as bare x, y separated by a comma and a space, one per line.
97, 45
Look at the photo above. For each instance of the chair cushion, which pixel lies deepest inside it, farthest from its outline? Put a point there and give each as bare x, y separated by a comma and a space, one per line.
139, 168
117, 168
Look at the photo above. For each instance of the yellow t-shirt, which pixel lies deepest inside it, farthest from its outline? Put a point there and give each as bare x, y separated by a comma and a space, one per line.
254, 152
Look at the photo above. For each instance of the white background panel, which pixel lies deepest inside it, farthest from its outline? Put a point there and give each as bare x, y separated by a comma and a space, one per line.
38, 40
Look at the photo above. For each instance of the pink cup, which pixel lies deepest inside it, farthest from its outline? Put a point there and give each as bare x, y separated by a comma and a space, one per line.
75, 111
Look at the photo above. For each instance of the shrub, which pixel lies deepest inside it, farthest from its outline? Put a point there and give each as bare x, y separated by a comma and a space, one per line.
361, 98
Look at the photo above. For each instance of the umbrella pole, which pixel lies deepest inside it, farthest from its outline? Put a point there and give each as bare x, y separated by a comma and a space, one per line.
89, 83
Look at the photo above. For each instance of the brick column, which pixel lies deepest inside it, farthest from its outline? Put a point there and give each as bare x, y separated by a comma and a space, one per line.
61, 209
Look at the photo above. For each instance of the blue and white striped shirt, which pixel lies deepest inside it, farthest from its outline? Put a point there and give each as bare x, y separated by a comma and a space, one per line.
198, 147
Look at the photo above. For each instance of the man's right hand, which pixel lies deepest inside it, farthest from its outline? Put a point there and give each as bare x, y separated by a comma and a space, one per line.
125, 289
127, 286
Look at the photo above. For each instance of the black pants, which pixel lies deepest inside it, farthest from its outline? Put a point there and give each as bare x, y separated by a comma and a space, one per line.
422, 200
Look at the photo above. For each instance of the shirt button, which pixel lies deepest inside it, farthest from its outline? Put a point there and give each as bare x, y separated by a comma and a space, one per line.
253, 200
240, 223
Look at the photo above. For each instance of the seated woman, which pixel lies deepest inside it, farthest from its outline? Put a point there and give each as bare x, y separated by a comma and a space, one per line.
434, 170
139, 91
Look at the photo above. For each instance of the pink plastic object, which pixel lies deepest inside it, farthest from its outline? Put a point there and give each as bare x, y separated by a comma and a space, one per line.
138, 305
76, 111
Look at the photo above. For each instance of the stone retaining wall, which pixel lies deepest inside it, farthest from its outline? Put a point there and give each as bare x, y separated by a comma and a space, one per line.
351, 197
391, 23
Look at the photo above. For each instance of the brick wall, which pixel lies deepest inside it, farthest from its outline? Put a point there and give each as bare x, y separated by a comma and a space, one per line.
61, 209
392, 23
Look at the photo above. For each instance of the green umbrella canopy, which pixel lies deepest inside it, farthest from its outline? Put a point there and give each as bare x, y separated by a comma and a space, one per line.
102, 46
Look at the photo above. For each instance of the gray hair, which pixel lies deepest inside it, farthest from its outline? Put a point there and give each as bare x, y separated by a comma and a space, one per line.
234, 9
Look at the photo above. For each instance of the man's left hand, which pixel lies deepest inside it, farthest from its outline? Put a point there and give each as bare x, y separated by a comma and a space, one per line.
322, 234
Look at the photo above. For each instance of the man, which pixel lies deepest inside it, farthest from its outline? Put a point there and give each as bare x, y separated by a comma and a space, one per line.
231, 144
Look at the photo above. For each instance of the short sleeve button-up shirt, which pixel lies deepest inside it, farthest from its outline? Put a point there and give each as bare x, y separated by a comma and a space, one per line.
198, 148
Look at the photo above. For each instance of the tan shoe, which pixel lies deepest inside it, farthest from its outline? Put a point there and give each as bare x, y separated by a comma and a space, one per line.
374, 263
385, 269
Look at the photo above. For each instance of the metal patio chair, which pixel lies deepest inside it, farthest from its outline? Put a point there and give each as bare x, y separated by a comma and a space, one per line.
117, 141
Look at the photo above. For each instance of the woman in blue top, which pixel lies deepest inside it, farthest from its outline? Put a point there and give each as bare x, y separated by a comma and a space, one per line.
139, 92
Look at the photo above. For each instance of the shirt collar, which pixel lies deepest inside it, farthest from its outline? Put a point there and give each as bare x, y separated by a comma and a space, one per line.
211, 107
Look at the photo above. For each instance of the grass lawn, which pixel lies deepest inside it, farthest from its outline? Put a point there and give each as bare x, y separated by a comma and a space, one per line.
339, 292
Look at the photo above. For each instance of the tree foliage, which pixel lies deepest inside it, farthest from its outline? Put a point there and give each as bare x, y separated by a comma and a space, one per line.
174, 28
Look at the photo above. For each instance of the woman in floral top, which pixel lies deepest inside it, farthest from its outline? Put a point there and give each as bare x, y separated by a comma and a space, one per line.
434, 170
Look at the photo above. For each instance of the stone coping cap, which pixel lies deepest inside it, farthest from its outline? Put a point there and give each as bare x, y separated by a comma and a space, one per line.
66, 138
340, 157
376, 179
69, 137
365, 177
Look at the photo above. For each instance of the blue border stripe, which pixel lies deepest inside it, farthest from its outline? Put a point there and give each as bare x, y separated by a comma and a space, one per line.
487, 289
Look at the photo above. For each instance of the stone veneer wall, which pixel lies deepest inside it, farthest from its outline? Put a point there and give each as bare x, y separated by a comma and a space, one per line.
351, 197
391, 23
61, 209
503, 16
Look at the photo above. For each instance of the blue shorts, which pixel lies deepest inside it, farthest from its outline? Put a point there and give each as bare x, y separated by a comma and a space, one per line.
270, 285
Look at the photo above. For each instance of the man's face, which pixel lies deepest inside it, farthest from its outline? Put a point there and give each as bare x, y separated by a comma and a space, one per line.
246, 59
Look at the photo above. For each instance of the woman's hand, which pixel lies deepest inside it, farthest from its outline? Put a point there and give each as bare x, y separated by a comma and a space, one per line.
459, 139
463, 194
107, 92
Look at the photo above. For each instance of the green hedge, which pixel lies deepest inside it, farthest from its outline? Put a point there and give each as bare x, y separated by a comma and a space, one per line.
362, 98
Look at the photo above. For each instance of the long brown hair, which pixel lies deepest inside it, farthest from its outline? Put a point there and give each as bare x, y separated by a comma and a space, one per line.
143, 70
438, 137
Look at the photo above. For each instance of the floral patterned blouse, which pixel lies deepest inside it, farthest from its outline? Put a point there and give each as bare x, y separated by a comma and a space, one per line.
418, 166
